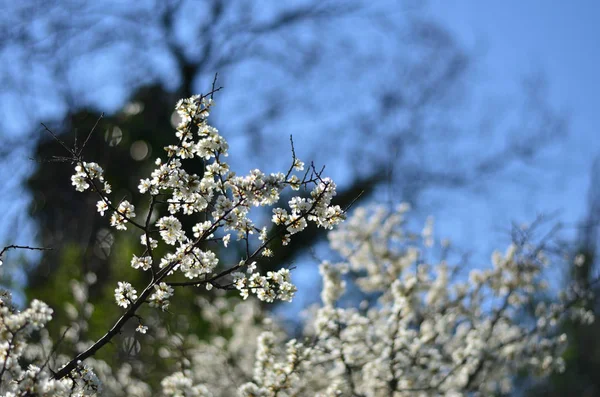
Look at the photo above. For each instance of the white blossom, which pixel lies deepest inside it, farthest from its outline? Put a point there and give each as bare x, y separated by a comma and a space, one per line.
125, 294
144, 262
161, 295
170, 229
102, 207
121, 216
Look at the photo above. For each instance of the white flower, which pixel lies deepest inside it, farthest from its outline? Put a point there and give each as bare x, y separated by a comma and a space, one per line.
102, 206
84, 172
144, 239
280, 216
119, 218
298, 165
145, 262
226, 239
125, 294
80, 182
145, 185
170, 229
161, 295
294, 182
276, 285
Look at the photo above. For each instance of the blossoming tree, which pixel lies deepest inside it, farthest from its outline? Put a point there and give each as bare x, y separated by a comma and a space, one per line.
426, 332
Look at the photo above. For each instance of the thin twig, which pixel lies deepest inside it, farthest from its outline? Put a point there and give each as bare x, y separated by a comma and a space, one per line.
23, 247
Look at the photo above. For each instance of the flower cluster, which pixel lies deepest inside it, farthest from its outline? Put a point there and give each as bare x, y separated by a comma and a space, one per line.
170, 230
161, 295
31, 319
431, 331
125, 211
275, 285
86, 174
144, 262
218, 200
125, 294
179, 384
16, 328
428, 330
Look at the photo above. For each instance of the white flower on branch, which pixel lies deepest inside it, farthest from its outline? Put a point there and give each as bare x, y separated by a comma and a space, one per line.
125, 294
275, 285
427, 333
144, 262
121, 216
170, 229
102, 207
161, 295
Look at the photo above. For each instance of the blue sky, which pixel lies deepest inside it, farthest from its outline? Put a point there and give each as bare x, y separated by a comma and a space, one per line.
560, 39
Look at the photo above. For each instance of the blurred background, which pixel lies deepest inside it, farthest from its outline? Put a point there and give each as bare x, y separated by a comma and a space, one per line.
481, 114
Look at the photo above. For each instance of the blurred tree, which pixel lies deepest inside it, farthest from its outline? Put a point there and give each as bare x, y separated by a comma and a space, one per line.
385, 81
582, 357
